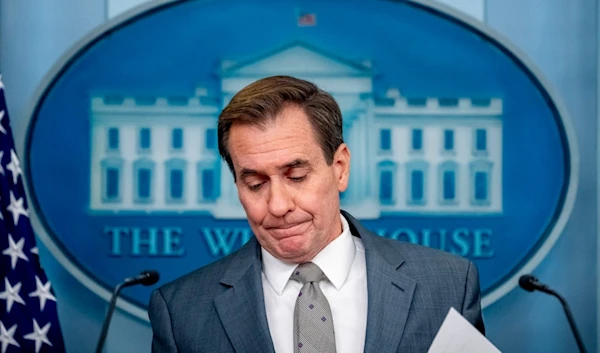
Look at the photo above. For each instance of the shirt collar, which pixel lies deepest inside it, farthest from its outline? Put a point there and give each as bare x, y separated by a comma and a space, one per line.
334, 260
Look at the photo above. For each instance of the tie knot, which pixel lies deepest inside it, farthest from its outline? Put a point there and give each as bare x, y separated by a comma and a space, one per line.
307, 272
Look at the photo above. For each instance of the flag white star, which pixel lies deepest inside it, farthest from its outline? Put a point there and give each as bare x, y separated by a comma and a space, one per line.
2, 130
39, 335
42, 291
1, 83
16, 208
35, 251
6, 336
15, 251
11, 294
14, 166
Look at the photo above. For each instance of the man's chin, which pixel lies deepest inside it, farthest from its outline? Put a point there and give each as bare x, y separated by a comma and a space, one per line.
291, 251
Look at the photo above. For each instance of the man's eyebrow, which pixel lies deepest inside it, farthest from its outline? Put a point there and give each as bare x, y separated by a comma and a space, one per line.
245, 172
297, 163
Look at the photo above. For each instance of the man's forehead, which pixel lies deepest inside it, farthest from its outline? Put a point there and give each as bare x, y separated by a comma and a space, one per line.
285, 130
283, 142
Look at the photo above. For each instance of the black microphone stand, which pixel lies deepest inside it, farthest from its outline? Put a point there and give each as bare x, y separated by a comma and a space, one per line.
111, 309
146, 278
530, 283
569, 317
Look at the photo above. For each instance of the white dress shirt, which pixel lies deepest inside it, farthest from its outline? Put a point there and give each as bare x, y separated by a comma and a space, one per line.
343, 262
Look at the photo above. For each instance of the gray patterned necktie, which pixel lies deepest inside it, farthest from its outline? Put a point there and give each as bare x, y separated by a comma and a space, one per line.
313, 323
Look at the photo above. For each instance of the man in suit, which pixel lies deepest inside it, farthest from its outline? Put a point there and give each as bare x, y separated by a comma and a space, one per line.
282, 140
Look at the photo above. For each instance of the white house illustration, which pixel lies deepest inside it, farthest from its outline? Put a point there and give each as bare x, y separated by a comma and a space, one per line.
430, 156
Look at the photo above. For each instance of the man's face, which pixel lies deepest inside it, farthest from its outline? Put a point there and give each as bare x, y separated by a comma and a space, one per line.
290, 194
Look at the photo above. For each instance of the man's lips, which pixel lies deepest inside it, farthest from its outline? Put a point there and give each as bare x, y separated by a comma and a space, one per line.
288, 230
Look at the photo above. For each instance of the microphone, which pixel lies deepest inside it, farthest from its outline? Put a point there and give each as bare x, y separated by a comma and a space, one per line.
530, 283
146, 278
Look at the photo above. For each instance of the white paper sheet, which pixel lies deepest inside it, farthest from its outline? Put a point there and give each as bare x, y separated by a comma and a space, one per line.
457, 335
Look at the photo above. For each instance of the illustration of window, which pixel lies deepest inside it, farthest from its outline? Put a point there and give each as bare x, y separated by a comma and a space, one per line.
176, 183
481, 182
112, 183
447, 182
387, 173
208, 181
448, 140
481, 186
208, 184
111, 179
417, 182
175, 169
177, 139
144, 182
113, 139
211, 139
143, 171
416, 192
417, 139
385, 140
145, 139
449, 185
480, 141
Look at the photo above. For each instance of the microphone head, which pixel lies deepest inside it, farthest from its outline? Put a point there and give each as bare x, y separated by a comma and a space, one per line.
149, 277
528, 282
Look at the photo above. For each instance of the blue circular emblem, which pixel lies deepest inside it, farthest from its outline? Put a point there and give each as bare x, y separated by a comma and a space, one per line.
456, 141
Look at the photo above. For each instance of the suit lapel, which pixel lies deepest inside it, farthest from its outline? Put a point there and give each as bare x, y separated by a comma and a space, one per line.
241, 308
390, 293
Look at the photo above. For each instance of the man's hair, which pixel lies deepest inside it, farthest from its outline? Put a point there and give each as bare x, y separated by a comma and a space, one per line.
262, 101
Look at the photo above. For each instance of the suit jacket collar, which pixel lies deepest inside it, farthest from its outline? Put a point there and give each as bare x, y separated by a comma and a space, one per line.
390, 292
241, 307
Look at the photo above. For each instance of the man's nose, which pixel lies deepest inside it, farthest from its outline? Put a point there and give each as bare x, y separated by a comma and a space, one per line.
281, 200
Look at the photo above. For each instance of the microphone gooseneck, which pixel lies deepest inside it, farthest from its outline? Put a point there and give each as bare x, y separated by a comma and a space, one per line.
146, 278
530, 283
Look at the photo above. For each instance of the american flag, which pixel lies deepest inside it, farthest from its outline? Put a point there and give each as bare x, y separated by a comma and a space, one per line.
28, 316
307, 19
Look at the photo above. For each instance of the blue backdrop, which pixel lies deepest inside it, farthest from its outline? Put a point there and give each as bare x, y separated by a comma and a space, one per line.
517, 322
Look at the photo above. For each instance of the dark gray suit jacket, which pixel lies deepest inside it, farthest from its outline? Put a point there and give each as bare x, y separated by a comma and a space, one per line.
220, 307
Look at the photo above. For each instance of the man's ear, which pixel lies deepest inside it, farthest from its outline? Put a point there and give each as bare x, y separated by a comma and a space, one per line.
341, 166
